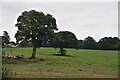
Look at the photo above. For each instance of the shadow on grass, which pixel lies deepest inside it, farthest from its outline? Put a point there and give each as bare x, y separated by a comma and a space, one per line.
20, 61
63, 55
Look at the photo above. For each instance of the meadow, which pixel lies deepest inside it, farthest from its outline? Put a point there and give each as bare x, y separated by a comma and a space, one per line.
79, 64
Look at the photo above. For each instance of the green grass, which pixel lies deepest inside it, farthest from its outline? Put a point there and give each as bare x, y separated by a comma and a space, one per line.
79, 63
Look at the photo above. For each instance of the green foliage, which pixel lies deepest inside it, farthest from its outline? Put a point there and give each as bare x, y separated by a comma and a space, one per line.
65, 39
35, 27
109, 43
25, 44
80, 46
106, 43
89, 43
5, 39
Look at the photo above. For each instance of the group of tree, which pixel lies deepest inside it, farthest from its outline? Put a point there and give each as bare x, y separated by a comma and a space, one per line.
106, 43
36, 29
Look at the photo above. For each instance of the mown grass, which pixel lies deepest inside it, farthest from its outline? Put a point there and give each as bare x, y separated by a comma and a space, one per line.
79, 63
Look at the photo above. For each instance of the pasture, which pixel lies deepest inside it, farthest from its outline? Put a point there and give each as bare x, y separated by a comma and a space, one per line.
79, 64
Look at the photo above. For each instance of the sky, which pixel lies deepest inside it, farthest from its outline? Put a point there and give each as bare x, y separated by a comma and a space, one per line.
95, 19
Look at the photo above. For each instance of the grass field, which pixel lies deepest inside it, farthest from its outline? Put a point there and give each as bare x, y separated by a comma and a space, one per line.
79, 63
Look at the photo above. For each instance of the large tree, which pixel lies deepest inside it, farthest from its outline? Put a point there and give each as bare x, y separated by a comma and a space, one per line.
35, 27
5, 39
65, 39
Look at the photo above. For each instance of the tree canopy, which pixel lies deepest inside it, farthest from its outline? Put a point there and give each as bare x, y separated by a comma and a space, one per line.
106, 43
5, 39
35, 27
65, 39
109, 43
89, 43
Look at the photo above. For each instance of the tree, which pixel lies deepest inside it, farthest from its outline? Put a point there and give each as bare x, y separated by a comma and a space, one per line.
108, 43
89, 43
5, 39
35, 27
65, 39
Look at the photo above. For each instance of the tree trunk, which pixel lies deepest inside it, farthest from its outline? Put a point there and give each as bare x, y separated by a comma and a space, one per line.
34, 53
61, 51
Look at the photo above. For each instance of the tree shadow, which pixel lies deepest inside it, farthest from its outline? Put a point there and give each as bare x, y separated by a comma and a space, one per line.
21, 61
63, 55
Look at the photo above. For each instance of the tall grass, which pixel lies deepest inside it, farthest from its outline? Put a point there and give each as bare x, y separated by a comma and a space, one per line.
7, 73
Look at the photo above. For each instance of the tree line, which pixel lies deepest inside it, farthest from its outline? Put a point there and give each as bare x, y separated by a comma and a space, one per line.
36, 29
106, 43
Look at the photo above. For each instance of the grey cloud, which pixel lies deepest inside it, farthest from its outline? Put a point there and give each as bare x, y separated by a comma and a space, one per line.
83, 19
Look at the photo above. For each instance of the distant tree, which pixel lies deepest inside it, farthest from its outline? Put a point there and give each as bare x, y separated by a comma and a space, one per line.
47, 43
5, 39
29, 44
116, 43
65, 39
12, 42
25, 44
118, 46
35, 27
80, 44
89, 43
108, 43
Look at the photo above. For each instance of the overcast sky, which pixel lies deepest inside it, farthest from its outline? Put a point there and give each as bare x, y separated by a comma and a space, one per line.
95, 19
